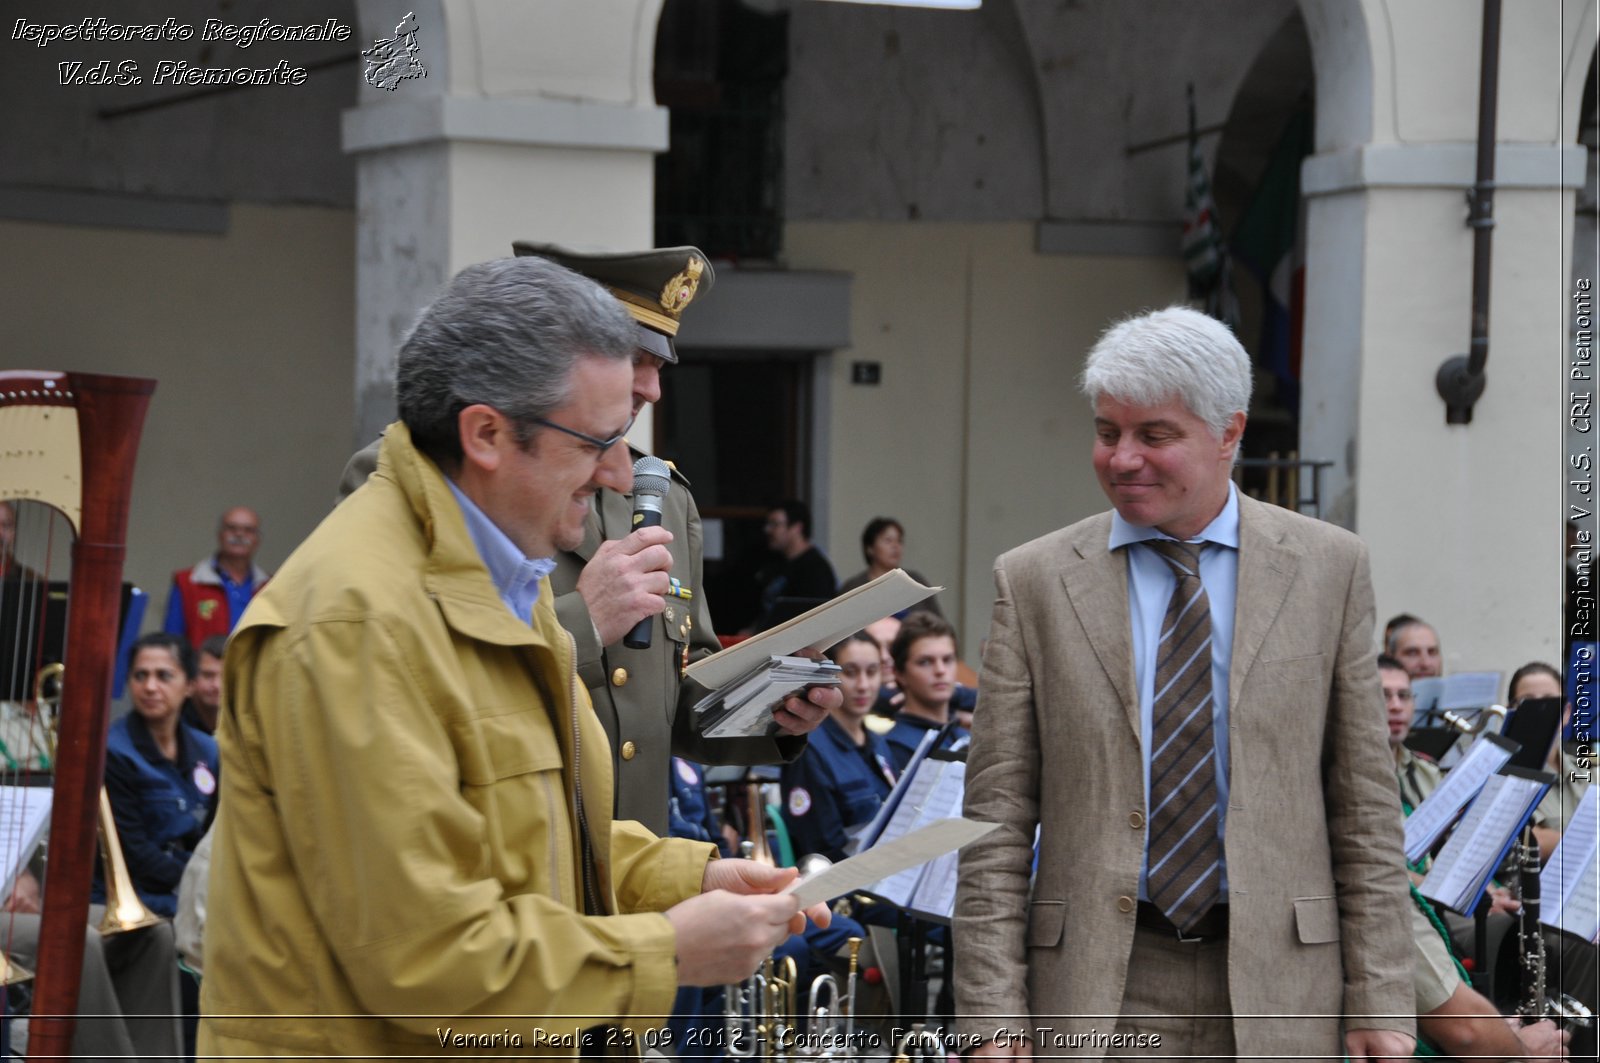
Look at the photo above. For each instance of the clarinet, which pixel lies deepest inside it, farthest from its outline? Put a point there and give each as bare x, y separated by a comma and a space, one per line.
1530, 942
1536, 1002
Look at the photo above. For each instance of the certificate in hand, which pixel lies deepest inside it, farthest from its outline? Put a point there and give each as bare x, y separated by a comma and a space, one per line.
888, 858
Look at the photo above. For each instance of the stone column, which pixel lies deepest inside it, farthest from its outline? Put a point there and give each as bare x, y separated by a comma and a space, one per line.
534, 121
1464, 522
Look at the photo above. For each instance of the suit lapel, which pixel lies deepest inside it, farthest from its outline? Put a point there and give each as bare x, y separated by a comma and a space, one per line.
1268, 561
1097, 585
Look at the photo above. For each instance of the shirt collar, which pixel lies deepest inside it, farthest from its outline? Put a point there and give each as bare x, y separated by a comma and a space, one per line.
1223, 530
515, 576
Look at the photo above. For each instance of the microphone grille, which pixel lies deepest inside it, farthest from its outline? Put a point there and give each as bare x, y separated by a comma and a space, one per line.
651, 476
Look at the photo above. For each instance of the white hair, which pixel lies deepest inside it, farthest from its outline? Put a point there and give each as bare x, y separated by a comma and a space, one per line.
1176, 353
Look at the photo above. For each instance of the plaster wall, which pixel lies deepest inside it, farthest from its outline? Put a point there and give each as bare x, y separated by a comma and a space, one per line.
976, 439
248, 334
275, 144
1464, 522
1020, 110
895, 113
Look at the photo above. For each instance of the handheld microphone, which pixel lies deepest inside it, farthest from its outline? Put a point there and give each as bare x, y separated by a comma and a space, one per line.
651, 481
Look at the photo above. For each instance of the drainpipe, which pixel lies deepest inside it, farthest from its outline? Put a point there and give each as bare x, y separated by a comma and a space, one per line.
1461, 378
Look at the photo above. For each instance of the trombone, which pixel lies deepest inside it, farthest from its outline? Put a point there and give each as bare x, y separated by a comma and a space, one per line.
124, 910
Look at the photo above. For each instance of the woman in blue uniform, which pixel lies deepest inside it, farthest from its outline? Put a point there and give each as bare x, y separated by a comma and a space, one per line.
161, 774
833, 789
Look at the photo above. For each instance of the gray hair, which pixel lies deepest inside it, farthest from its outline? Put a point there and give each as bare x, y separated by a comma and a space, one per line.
1392, 643
1176, 353
505, 333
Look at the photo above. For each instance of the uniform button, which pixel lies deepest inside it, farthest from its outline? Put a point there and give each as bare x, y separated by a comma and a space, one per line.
683, 630
619, 678
1125, 904
628, 750
1136, 820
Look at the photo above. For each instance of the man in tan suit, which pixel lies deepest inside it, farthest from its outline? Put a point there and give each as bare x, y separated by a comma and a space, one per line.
1180, 695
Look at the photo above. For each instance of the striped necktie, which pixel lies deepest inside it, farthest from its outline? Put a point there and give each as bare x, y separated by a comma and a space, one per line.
1185, 858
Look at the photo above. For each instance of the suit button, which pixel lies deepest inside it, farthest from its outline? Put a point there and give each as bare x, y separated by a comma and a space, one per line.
619, 678
1136, 820
628, 750
1125, 904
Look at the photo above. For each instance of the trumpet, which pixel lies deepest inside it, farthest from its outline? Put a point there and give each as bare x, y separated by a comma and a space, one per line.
833, 1021
762, 1020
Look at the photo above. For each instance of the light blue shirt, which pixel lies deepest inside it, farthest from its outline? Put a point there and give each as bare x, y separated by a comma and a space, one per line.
515, 576
1150, 586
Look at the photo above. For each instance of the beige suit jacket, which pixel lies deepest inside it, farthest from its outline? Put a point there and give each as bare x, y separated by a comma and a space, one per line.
1317, 889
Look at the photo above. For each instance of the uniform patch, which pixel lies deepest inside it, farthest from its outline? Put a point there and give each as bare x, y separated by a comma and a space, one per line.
799, 801
206, 607
204, 781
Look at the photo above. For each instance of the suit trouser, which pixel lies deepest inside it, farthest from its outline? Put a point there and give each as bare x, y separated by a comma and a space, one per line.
1177, 990
128, 1003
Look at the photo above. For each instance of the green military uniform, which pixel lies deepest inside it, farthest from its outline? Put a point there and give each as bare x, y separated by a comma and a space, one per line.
1556, 810
640, 696
1418, 778
1435, 978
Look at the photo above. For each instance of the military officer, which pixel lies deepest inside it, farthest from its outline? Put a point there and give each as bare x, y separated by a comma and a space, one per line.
616, 577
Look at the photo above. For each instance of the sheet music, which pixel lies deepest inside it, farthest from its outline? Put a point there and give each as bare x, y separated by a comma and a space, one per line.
891, 804
1469, 690
1430, 819
936, 893
24, 814
1425, 697
1480, 842
933, 793
1570, 882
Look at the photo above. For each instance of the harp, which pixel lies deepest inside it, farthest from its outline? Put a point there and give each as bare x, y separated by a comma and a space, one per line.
68, 440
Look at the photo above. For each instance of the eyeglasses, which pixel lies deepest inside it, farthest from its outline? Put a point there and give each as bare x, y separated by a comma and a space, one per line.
600, 445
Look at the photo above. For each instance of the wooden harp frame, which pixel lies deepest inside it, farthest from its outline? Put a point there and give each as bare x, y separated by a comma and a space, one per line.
70, 440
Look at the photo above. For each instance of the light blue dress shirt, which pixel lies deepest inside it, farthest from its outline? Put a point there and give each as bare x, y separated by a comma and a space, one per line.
1150, 587
515, 576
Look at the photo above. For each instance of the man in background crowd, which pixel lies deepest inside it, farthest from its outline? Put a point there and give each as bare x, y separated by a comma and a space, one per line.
801, 576
209, 598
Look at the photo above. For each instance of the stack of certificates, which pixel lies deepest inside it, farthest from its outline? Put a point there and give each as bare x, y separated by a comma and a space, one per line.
744, 707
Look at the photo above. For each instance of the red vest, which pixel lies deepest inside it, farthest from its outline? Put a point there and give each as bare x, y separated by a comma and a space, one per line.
205, 607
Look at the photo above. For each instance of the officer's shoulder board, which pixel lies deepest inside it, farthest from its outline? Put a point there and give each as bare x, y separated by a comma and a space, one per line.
677, 474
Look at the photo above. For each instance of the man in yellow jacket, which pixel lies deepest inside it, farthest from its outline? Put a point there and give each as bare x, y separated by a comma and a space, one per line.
415, 851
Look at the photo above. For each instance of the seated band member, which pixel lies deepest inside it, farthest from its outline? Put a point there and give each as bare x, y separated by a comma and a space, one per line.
1572, 963
837, 785
1459, 1021
924, 655
161, 774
